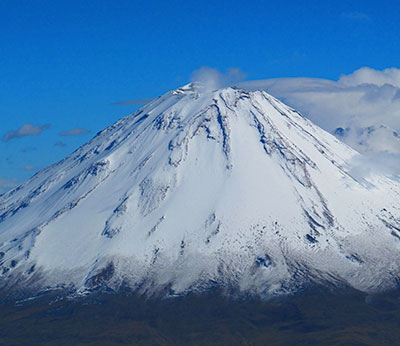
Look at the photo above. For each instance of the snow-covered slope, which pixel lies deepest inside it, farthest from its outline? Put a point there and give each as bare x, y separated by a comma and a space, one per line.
198, 189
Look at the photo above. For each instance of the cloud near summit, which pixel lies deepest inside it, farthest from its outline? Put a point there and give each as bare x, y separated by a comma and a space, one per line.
363, 99
364, 106
210, 78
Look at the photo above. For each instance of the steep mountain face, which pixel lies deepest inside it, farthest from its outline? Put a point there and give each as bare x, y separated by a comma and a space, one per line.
199, 189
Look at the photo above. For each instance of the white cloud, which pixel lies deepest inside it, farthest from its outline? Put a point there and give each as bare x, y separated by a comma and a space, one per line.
211, 79
362, 99
25, 130
366, 75
365, 105
376, 162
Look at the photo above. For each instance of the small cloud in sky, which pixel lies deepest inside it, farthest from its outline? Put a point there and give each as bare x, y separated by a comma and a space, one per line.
74, 132
60, 144
25, 130
367, 75
210, 78
356, 15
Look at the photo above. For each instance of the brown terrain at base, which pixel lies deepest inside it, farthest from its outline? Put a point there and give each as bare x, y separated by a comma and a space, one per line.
309, 318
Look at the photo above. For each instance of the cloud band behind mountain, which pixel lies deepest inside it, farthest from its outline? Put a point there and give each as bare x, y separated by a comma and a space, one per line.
366, 99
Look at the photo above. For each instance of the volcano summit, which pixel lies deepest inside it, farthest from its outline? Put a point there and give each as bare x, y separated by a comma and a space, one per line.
199, 189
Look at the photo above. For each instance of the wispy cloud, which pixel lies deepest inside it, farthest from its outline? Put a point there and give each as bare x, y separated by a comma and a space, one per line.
210, 78
74, 132
25, 130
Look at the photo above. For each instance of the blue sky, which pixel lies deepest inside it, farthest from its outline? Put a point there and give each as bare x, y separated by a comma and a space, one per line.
64, 63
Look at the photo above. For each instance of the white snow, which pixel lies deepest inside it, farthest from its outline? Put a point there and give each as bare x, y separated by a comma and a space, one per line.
226, 187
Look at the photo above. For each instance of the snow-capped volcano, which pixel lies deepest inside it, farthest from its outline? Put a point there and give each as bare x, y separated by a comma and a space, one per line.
197, 189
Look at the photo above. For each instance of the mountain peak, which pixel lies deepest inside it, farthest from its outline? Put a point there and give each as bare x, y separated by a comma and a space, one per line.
225, 187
